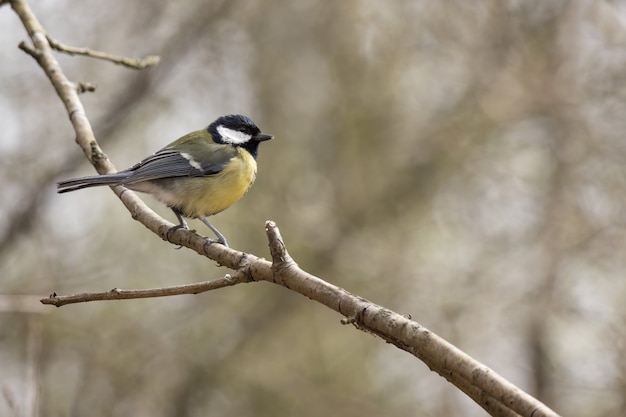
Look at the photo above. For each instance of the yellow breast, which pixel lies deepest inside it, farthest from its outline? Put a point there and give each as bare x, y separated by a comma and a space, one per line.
210, 195
226, 187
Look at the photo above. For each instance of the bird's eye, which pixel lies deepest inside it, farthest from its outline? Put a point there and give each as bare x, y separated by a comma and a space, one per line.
248, 130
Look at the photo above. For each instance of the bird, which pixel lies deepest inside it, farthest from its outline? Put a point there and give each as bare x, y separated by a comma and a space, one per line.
198, 175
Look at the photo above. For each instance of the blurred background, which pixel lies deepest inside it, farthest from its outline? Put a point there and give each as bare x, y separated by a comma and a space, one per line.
461, 162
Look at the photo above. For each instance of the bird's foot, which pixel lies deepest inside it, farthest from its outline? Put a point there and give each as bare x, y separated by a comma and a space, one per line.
221, 241
220, 237
175, 228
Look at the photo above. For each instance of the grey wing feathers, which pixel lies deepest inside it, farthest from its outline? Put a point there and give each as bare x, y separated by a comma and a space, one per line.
166, 164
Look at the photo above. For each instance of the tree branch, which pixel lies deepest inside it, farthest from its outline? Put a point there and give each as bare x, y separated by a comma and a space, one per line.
141, 63
121, 294
42, 53
492, 392
488, 389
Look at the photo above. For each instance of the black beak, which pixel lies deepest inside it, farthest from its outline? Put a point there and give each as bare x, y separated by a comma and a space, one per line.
260, 137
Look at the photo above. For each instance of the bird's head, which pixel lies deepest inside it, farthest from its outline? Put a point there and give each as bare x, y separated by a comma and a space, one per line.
237, 130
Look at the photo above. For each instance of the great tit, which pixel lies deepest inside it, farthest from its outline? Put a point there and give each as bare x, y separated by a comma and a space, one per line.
198, 175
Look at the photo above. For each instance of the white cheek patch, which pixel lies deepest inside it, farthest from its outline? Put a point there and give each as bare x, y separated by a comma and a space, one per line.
233, 136
192, 161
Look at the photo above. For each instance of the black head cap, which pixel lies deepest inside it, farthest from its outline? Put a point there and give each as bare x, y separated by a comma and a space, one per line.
238, 130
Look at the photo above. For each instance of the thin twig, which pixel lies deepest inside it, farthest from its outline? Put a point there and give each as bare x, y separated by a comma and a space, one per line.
85, 87
42, 53
35, 53
141, 63
121, 294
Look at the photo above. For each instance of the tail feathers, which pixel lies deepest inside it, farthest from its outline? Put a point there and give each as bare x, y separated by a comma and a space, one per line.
93, 181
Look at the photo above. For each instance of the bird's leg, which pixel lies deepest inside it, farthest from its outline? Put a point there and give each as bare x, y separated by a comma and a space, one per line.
181, 221
220, 237
182, 224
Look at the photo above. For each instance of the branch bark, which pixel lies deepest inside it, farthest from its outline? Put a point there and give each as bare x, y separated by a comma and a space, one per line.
141, 63
121, 294
492, 392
